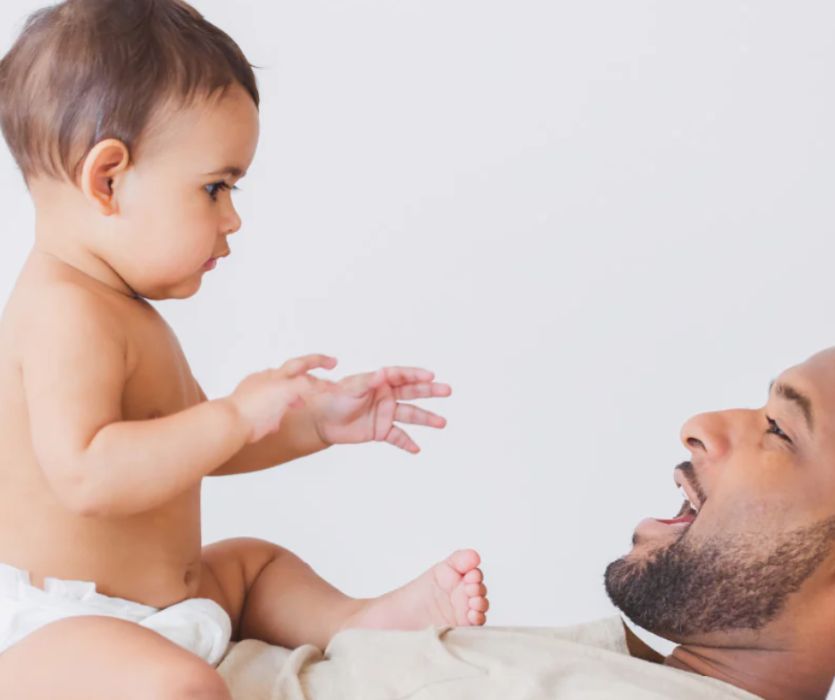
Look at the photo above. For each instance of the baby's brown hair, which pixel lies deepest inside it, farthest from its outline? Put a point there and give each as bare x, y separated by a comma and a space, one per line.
85, 70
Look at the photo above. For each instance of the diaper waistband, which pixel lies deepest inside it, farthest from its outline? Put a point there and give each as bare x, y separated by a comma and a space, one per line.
17, 583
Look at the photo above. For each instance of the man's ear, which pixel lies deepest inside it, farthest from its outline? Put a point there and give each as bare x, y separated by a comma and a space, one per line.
103, 163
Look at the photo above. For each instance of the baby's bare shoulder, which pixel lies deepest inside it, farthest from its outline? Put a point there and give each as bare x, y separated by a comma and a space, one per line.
64, 307
62, 323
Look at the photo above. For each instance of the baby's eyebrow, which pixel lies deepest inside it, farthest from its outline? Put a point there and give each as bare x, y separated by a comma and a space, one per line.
232, 170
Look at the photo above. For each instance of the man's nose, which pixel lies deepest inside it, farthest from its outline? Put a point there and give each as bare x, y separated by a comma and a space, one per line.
709, 434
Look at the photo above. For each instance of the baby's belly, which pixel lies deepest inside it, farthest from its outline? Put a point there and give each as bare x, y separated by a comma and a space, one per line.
152, 558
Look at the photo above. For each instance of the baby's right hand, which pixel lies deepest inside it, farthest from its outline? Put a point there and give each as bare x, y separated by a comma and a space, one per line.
263, 398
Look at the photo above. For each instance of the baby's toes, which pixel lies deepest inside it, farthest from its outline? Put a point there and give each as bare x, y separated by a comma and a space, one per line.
475, 589
476, 618
464, 560
478, 604
474, 576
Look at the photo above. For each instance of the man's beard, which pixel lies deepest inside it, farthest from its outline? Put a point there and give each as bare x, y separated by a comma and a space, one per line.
728, 582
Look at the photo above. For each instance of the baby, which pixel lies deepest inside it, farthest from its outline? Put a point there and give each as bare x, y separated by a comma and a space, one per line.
130, 122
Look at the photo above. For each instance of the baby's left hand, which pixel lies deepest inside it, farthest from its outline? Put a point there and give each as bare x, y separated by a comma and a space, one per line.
363, 407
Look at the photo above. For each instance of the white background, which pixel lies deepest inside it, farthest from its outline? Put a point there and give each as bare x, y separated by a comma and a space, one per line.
593, 219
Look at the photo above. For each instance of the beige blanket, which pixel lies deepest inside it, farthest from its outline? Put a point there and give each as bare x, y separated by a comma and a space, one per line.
588, 661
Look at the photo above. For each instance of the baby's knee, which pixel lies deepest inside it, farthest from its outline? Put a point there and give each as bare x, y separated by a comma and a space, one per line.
196, 682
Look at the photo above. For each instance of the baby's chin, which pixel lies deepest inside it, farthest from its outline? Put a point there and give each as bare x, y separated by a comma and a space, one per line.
182, 290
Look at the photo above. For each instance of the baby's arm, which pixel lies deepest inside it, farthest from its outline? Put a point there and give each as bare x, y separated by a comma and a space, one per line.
74, 371
297, 437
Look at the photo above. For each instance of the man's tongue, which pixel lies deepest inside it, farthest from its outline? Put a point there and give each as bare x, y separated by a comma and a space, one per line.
689, 518
684, 515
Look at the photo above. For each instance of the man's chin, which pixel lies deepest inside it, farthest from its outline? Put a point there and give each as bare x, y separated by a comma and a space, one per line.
652, 583
686, 588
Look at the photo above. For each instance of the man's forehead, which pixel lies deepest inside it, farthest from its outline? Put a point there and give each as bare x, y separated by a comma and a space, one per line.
814, 381
819, 368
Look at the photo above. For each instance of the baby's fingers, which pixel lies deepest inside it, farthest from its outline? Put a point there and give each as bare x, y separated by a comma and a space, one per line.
422, 391
305, 384
397, 376
399, 438
405, 413
300, 365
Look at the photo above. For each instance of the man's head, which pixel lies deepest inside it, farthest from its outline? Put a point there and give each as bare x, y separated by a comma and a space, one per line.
756, 567
118, 115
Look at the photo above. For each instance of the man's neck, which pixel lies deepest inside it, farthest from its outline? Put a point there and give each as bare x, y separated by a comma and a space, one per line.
771, 674
787, 674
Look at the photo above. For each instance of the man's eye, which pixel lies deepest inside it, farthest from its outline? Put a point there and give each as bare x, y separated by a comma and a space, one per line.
216, 187
775, 429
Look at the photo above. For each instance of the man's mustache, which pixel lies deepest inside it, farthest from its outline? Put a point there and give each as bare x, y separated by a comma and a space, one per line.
688, 472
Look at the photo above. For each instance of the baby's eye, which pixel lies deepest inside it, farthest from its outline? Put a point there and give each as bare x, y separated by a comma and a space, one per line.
775, 429
216, 187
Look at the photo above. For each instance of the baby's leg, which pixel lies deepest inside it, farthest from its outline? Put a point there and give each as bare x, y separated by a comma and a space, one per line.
450, 594
94, 657
288, 604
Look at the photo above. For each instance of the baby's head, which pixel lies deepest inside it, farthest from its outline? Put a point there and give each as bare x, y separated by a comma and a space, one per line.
122, 115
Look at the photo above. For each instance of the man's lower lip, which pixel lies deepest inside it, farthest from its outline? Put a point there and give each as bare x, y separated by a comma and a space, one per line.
211, 264
650, 527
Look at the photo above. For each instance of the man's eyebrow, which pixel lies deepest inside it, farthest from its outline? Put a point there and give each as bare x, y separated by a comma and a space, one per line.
801, 400
232, 170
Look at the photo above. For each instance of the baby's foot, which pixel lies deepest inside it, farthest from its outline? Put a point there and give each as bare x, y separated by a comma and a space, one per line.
450, 594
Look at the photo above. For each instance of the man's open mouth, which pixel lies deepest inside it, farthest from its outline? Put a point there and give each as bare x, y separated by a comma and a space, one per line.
688, 511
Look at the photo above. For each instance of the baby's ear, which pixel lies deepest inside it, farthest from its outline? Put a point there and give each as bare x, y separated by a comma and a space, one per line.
105, 160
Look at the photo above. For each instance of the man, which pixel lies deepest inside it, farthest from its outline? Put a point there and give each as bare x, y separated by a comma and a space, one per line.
747, 586
742, 579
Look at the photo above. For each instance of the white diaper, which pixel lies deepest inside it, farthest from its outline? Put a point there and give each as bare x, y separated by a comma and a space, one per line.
197, 624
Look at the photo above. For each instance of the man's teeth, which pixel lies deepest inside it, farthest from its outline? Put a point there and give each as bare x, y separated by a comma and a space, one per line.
686, 499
